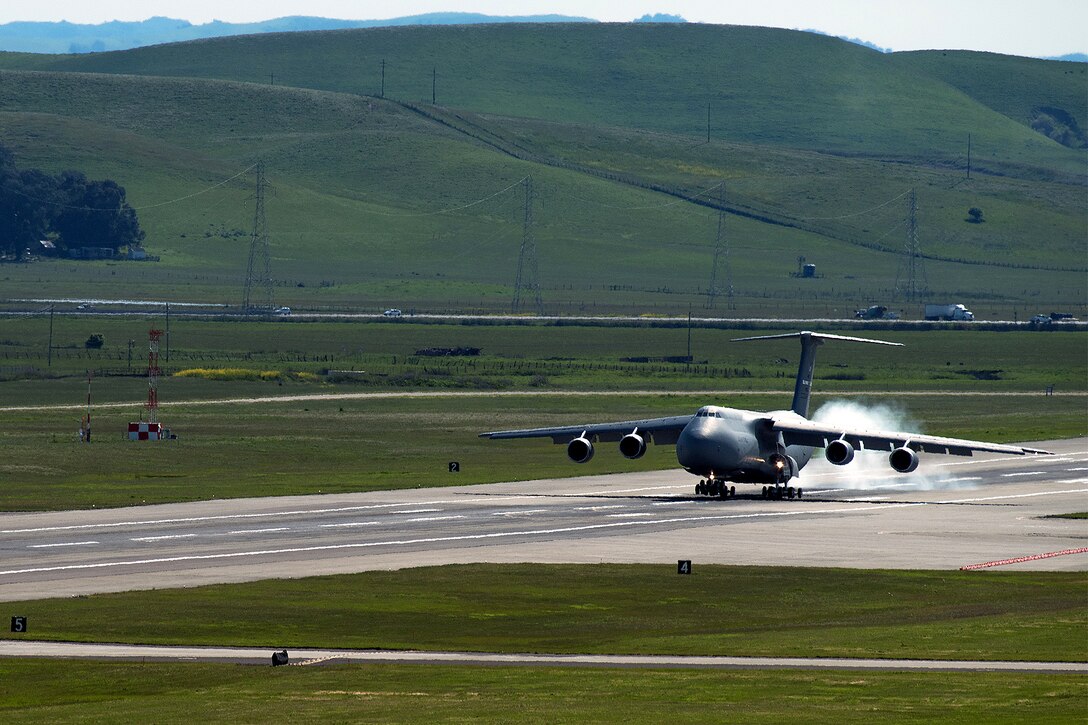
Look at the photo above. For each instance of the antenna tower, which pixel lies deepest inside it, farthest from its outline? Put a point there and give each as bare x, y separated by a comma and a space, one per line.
916, 283
153, 371
528, 278
721, 267
259, 268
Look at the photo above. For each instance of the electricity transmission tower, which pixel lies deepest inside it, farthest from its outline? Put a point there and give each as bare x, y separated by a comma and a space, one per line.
912, 267
721, 268
528, 278
259, 268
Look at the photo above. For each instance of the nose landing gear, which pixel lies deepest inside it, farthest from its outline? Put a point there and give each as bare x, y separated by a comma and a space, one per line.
717, 489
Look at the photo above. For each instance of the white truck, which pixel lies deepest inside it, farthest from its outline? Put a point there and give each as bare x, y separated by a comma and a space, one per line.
948, 312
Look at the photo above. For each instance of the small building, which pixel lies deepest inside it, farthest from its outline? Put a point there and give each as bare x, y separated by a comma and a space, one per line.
808, 270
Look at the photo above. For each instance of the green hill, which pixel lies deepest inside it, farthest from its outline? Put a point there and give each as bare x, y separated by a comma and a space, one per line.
375, 200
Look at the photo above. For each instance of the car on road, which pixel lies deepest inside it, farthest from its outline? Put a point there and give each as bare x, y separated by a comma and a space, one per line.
393, 312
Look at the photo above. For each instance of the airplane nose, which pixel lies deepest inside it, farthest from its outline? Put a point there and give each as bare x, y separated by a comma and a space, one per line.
698, 448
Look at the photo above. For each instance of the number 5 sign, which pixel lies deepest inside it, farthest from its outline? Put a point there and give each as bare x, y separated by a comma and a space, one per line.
18, 624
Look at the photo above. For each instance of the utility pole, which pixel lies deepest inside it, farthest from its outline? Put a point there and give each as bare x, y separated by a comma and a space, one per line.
167, 332
528, 273
689, 334
259, 267
968, 156
50, 353
272, 79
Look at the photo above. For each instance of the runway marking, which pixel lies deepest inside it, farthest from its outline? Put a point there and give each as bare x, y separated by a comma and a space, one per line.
419, 511
670, 503
527, 512
68, 543
163, 538
629, 516
258, 531
1023, 473
1021, 559
599, 508
1017, 495
446, 539
354, 523
223, 517
433, 518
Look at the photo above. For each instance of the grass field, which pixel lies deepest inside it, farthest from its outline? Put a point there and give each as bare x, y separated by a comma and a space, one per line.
527, 608
313, 445
49, 692
385, 202
617, 609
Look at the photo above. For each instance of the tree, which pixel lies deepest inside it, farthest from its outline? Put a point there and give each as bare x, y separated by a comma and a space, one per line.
974, 215
94, 214
27, 206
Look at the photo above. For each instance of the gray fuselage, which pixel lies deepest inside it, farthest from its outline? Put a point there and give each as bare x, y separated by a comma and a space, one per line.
736, 445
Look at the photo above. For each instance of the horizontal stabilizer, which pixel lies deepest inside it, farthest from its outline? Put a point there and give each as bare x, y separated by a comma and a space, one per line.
819, 336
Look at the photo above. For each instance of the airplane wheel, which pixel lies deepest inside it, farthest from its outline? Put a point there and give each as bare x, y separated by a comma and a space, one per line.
764, 492
700, 488
791, 492
732, 492
715, 488
799, 490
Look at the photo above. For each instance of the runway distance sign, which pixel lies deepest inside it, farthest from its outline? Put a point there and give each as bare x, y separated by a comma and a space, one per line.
18, 625
683, 566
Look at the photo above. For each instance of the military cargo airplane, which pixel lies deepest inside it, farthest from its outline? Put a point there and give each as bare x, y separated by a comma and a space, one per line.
726, 445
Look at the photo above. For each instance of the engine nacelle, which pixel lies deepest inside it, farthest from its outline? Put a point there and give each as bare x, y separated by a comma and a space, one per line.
785, 467
632, 445
839, 452
580, 450
903, 460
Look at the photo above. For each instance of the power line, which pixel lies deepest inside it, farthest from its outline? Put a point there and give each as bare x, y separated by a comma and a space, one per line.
452, 208
134, 208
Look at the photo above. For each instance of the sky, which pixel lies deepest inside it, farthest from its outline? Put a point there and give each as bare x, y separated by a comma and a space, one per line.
1015, 27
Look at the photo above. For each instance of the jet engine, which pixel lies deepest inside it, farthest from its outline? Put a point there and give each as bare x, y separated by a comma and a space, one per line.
785, 467
903, 460
633, 445
580, 450
839, 452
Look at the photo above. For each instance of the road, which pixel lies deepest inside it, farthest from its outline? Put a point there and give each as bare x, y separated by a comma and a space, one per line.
253, 655
980, 511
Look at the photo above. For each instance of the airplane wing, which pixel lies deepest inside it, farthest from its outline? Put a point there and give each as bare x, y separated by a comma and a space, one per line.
660, 430
818, 435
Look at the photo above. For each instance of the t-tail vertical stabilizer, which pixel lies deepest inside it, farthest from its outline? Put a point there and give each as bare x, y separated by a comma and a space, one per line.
802, 389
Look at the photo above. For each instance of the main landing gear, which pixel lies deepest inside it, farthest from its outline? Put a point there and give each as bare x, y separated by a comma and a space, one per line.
780, 492
718, 489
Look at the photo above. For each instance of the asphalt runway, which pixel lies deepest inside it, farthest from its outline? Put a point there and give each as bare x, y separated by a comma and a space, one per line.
953, 512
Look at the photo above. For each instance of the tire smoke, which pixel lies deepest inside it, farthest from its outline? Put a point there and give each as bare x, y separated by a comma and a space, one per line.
870, 469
